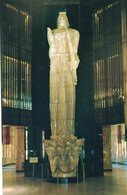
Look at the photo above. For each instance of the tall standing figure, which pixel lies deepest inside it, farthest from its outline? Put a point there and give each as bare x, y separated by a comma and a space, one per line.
63, 46
63, 148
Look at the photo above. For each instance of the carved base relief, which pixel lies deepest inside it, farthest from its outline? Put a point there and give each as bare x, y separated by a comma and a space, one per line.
63, 153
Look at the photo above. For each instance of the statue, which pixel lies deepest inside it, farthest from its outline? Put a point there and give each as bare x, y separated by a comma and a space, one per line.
63, 148
64, 61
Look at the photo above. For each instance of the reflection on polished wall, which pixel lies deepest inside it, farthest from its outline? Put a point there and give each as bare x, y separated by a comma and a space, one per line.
118, 144
107, 160
16, 57
9, 146
108, 64
15, 33
20, 150
114, 145
13, 146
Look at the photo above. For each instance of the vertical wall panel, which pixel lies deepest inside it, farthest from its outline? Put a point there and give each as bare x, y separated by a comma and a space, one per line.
108, 85
16, 64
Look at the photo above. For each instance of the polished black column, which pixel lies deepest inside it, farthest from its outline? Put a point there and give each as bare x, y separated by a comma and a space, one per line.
85, 121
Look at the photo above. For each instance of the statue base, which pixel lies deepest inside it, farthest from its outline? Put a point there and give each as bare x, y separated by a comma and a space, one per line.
63, 152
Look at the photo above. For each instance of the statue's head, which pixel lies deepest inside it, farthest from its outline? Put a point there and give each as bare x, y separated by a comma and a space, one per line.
62, 20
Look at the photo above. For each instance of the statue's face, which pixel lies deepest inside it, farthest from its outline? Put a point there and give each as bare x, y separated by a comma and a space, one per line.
62, 20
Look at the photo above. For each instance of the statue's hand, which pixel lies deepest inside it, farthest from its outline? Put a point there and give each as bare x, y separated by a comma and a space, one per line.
49, 30
50, 36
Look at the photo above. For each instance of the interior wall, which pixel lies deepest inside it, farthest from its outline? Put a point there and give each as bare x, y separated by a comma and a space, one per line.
107, 159
9, 145
118, 144
114, 145
20, 149
13, 146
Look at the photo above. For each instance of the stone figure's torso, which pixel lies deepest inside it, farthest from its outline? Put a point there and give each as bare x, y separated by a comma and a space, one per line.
61, 40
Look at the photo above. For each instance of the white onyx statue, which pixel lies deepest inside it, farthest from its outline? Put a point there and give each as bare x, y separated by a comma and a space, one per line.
63, 46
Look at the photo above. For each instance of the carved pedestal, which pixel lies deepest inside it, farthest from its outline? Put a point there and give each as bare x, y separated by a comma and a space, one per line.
63, 153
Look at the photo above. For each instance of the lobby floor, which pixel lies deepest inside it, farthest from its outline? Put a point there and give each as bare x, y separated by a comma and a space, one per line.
113, 183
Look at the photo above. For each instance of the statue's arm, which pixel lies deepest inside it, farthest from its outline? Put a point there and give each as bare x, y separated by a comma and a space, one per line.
52, 46
75, 59
76, 41
50, 36
76, 44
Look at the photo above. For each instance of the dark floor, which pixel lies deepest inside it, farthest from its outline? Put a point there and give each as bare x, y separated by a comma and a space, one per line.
113, 183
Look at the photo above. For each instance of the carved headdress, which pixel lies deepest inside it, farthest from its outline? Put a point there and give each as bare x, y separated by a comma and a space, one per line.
62, 17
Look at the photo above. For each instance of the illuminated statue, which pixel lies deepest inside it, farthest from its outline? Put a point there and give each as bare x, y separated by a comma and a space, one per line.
63, 148
64, 61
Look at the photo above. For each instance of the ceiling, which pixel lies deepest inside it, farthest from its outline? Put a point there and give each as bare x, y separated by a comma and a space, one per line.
30, 4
